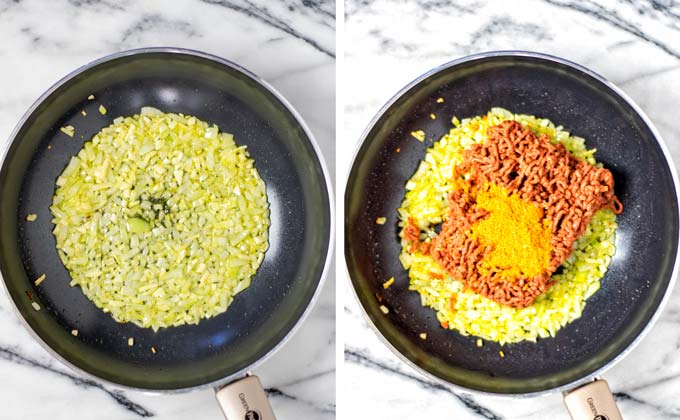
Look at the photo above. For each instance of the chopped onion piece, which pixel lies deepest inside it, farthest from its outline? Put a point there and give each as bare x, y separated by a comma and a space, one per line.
418, 135
40, 279
69, 130
388, 283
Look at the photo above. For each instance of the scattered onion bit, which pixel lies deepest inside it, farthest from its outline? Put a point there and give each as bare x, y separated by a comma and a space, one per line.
380, 220
131, 341
480, 343
69, 130
384, 309
433, 117
35, 306
388, 283
423, 336
49, 147
440, 100
102, 110
84, 113
418, 135
31, 217
91, 97
153, 350
39, 280
74, 333
500, 352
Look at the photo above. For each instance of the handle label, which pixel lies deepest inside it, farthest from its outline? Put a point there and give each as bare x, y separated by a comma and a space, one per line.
593, 409
251, 414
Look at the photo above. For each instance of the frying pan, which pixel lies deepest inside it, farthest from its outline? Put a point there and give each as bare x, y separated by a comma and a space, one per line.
261, 318
641, 273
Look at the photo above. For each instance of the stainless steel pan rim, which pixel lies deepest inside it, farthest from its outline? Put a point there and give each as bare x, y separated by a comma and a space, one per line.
669, 162
327, 180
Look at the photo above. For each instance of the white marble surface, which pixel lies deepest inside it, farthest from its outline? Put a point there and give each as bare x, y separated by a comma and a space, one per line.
289, 43
389, 43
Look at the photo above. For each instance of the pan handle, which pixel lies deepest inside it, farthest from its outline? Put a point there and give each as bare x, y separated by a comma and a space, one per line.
245, 399
593, 401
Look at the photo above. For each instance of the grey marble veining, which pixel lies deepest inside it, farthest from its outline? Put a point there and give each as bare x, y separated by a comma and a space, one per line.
291, 44
635, 44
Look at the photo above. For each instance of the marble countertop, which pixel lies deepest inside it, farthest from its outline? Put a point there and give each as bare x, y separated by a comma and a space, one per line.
288, 43
635, 44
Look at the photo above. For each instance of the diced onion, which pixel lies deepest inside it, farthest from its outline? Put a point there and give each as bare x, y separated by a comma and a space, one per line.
161, 219
69, 130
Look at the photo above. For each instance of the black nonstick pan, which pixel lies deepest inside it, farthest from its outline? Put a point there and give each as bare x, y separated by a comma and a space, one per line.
217, 350
640, 275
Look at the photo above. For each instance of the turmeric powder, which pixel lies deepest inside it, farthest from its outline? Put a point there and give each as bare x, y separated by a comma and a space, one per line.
517, 233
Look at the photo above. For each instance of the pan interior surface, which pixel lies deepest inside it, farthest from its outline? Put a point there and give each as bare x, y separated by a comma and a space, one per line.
260, 317
646, 239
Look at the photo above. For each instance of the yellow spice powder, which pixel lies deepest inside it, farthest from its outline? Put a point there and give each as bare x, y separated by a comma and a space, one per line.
517, 232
